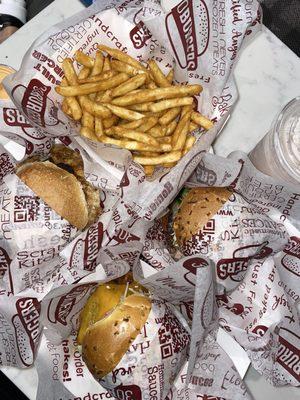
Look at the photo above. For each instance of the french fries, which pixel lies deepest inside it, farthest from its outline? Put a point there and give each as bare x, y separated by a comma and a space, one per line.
98, 64
121, 102
84, 59
165, 104
135, 135
124, 112
158, 160
157, 74
129, 85
202, 121
157, 94
88, 88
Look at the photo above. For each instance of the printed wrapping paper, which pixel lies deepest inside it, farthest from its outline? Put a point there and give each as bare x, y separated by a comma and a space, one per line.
257, 294
63, 374
213, 378
201, 41
15, 126
20, 330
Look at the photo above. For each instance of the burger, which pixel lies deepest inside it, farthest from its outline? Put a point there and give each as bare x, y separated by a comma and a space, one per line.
123, 332
191, 217
105, 299
59, 181
111, 319
106, 342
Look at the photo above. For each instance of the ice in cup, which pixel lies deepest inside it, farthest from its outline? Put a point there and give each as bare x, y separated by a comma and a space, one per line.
278, 153
4, 71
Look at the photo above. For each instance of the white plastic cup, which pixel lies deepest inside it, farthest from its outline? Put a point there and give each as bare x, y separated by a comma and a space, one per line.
278, 153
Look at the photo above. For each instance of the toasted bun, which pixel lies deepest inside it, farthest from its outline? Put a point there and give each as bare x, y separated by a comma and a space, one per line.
106, 342
196, 209
58, 188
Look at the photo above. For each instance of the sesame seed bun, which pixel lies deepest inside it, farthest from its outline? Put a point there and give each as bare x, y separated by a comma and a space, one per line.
106, 341
58, 188
60, 183
198, 206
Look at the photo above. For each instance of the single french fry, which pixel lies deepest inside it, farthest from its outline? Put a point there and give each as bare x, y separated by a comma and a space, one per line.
170, 75
84, 59
151, 85
87, 88
193, 126
171, 127
66, 109
98, 78
157, 74
84, 73
141, 107
74, 108
163, 158
71, 78
169, 116
186, 108
135, 146
148, 123
148, 153
189, 143
202, 121
169, 164
132, 124
149, 169
96, 109
128, 69
165, 139
157, 94
171, 103
98, 64
88, 133
110, 121
134, 135
128, 86
106, 65
157, 131
106, 97
99, 130
154, 114
181, 131
119, 55
124, 113
70, 74
88, 120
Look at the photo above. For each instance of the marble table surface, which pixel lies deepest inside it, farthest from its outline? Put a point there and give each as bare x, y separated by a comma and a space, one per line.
267, 76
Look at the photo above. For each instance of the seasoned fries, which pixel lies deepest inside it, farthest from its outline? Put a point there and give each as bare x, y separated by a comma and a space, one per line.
135, 106
157, 94
88, 88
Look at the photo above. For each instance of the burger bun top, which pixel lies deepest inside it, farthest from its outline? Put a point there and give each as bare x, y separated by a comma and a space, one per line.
58, 188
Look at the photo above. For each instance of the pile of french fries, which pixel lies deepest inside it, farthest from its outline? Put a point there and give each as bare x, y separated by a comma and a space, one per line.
121, 102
